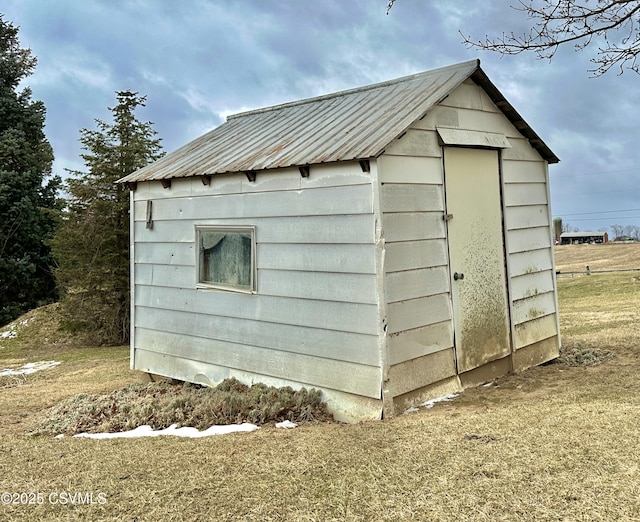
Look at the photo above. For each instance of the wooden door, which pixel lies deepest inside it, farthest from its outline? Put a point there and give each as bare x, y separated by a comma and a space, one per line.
477, 257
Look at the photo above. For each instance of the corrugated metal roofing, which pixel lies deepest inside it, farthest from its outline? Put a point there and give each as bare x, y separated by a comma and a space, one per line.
348, 125
582, 234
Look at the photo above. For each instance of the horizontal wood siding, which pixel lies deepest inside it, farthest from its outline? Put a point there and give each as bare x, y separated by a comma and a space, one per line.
416, 260
314, 317
411, 249
327, 201
530, 249
346, 407
411, 344
308, 230
411, 375
350, 377
347, 346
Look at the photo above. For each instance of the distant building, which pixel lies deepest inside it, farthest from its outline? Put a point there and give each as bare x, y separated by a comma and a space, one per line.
579, 238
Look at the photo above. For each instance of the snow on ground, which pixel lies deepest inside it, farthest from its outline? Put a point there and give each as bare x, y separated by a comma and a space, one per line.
430, 403
286, 424
29, 368
193, 433
185, 431
12, 329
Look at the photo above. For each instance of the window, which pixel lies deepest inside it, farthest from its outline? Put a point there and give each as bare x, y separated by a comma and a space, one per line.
226, 257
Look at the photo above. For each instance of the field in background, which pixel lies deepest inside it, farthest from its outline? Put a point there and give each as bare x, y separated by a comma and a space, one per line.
558, 442
608, 256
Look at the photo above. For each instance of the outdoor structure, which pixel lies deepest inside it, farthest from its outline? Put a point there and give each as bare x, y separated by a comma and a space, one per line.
578, 238
387, 245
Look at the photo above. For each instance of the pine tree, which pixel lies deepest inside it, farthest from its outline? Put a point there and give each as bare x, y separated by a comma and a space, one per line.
92, 243
27, 190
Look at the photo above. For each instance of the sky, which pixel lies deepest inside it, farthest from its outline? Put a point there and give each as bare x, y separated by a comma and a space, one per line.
198, 61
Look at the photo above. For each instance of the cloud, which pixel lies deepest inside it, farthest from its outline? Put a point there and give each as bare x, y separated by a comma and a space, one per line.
201, 60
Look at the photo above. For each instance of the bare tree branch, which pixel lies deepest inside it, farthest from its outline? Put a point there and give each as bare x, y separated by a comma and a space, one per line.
612, 25
390, 5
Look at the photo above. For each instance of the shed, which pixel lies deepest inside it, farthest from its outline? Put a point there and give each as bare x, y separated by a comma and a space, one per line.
579, 238
386, 244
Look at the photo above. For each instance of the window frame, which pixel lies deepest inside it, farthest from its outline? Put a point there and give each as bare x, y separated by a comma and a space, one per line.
221, 286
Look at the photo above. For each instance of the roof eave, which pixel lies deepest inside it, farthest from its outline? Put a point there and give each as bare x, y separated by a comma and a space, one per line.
518, 121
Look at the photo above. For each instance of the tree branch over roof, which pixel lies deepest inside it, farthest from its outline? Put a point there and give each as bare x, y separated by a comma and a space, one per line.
612, 25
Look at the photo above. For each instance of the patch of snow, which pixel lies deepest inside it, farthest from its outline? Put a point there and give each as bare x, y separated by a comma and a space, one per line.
430, 403
11, 331
9, 334
286, 424
29, 368
445, 398
185, 431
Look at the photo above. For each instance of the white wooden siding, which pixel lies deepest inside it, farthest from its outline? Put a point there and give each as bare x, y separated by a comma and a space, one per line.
527, 217
341, 258
417, 240
316, 318
529, 245
308, 230
528, 285
346, 407
416, 313
330, 344
523, 194
526, 239
355, 199
316, 308
413, 226
415, 343
416, 142
530, 262
326, 286
533, 307
410, 255
535, 330
416, 273
411, 284
314, 371
409, 169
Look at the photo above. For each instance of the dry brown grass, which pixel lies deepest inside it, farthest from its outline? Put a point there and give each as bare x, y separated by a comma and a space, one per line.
608, 256
556, 442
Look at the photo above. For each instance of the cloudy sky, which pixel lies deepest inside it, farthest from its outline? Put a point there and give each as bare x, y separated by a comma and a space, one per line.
199, 60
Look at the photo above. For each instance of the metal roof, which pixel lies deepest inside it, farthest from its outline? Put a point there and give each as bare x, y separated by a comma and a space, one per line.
349, 125
582, 234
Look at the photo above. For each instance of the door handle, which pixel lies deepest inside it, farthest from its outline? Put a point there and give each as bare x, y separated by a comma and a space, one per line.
458, 276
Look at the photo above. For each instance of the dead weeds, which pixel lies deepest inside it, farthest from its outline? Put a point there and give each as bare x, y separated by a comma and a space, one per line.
575, 353
161, 404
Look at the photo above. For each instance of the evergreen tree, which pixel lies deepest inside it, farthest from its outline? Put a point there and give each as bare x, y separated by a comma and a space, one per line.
27, 189
92, 243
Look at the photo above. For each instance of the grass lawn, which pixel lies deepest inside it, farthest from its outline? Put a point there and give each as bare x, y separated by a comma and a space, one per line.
557, 442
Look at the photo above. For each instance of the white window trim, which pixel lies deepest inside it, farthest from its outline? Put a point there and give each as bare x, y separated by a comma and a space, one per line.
227, 228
